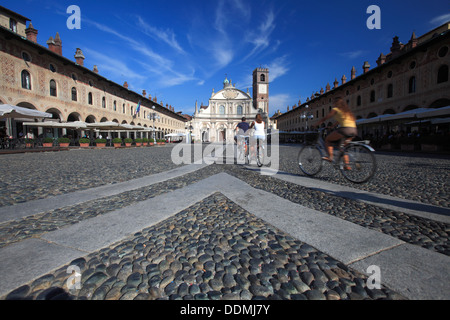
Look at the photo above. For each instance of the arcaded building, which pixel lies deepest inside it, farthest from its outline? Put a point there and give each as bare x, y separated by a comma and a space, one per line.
39, 77
411, 76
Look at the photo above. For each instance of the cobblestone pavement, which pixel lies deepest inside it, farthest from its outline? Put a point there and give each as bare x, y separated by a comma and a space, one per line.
213, 249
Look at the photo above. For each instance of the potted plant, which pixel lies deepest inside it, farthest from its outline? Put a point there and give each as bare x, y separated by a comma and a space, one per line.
48, 142
117, 142
64, 142
145, 141
128, 142
138, 141
152, 141
432, 143
407, 143
84, 142
100, 143
29, 143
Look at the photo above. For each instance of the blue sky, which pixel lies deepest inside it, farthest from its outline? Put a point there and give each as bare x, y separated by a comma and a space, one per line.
181, 50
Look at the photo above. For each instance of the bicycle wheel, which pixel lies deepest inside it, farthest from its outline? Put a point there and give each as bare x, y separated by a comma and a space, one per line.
247, 154
310, 160
361, 164
260, 156
240, 151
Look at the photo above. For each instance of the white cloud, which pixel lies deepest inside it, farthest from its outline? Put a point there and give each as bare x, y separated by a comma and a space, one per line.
222, 54
135, 45
439, 20
167, 36
353, 54
278, 68
155, 64
113, 66
260, 38
279, 102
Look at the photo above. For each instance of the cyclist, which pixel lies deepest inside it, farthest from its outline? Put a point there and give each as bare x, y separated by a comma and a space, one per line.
241, 130
259, 133
347, 128
243, 125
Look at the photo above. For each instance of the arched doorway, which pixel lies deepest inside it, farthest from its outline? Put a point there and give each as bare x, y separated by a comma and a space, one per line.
57, 117
90, 119
410, 107
222, 135
205, 135
440, 103
74, 134
15, 126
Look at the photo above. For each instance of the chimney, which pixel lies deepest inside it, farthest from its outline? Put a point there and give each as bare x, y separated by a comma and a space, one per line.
344, 79
95, 69
366, 66
353, 72
58, 44
336, 83
31, 33
381, 59
51, 45
327, 88
79, 57
144, 93
125, 85
396, 46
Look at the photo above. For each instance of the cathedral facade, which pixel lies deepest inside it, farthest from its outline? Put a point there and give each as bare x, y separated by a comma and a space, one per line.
217, 121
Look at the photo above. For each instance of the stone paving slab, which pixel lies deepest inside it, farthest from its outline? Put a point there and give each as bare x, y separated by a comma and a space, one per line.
413, 271
27, 260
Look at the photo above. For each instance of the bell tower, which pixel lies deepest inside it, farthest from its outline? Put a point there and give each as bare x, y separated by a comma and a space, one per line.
261, 90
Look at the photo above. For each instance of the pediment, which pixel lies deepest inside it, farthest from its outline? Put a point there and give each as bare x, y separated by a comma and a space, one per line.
230, 94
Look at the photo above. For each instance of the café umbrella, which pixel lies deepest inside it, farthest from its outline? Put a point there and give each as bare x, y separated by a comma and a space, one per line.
16, 112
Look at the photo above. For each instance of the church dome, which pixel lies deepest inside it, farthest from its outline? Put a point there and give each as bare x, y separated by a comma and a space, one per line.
226, 83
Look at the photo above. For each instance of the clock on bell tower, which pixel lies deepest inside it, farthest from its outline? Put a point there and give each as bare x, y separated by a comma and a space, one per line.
261, 89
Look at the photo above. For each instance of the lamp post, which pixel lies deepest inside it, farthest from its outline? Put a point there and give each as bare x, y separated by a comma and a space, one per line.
190, 127
307, 114
153, 116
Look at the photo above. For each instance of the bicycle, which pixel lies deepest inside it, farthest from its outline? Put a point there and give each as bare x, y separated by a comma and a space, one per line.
244, 150
259, 153
361, 164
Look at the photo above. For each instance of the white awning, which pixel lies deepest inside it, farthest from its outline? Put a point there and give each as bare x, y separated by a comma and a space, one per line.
10, 111
410, 114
